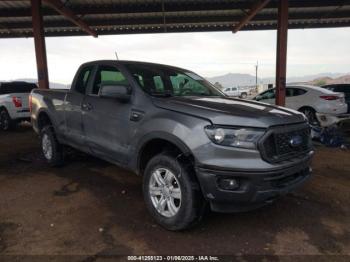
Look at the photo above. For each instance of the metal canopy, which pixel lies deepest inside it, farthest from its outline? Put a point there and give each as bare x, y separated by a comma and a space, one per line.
40, 18
107, 17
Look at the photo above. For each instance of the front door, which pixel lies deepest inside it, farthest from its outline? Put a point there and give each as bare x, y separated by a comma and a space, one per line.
73, 129
267, 97
106, 120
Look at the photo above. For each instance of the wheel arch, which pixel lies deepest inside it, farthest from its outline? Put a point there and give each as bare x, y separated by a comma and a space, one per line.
306, 107
156, 143
2, 107
43, 119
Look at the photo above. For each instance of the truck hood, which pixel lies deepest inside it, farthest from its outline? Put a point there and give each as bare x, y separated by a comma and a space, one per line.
230, 111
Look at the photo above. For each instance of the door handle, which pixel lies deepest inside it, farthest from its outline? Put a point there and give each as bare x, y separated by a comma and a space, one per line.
136, 115
86, 106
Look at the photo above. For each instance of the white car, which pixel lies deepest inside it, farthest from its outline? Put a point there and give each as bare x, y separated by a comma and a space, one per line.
309, 100
235, 91
14, 104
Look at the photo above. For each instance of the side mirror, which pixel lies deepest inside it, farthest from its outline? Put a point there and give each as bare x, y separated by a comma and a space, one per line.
119, 92
257, 98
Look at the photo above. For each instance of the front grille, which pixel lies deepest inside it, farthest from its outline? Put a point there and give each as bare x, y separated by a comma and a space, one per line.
280, 143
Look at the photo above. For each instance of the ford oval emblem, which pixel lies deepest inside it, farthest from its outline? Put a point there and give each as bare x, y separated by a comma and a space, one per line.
296, 141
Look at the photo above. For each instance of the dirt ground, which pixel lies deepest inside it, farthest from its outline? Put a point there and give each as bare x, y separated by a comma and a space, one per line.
92, 208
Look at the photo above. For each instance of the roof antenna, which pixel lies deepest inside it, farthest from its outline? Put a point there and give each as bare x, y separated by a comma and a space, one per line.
116, 55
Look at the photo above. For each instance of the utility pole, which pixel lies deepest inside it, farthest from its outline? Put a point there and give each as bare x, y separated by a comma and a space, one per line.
116, 55
39, 43
281, 57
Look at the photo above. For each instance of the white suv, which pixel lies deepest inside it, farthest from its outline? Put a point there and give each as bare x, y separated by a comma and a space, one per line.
309, 100
14, 104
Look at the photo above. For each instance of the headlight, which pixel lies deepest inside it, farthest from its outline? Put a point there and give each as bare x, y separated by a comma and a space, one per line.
235, 136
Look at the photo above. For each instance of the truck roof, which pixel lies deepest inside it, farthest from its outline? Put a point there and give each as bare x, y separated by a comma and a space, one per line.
130, 62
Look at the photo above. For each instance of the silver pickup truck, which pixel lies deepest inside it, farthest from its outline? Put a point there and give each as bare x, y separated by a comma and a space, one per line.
194, 146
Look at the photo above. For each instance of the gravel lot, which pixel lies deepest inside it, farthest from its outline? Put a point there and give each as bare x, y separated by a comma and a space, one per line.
92, 208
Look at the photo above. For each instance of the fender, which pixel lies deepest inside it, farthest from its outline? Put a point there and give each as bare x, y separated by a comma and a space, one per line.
134, 165
35, 119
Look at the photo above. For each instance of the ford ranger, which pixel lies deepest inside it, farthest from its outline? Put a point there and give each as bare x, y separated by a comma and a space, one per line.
194, 146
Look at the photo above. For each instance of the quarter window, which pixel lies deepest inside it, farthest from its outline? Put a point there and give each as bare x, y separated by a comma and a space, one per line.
83, 79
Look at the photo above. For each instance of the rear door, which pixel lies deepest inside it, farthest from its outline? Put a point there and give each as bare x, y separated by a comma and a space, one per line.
294, 97
107, 121
73, 107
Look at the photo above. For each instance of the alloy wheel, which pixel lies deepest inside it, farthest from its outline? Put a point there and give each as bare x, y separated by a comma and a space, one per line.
47, 147
310, 115
165, 192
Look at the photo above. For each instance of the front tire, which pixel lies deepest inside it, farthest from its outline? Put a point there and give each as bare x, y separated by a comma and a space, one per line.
51, 148
310, 114
172, 195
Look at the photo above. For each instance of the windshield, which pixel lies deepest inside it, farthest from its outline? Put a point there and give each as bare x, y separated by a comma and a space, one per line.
166, 81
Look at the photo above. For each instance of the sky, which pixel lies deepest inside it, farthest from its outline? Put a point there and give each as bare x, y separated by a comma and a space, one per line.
310, 51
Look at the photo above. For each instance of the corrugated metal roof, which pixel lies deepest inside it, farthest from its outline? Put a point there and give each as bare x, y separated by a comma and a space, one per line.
157, 16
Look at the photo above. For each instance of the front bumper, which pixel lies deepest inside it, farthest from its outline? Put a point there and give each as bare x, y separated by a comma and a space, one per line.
256, 188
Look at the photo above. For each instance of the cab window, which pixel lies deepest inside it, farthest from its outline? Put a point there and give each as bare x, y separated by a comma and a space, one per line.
158, 84
108, 75
155, 83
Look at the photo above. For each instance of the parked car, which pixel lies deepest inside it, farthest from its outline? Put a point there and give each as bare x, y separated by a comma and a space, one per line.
236, 92
193, 145
341, 88
309, 100
14, 106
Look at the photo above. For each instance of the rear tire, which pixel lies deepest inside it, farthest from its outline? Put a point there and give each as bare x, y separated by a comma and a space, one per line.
6, 123
244, 95
172, 195
51, 148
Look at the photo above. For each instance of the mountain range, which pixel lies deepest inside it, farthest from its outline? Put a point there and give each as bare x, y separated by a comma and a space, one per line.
234, 79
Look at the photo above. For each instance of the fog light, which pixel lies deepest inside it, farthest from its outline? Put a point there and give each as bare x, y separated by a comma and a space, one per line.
228, 183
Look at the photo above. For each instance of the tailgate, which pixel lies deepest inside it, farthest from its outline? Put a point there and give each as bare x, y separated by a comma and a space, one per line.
23, 97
